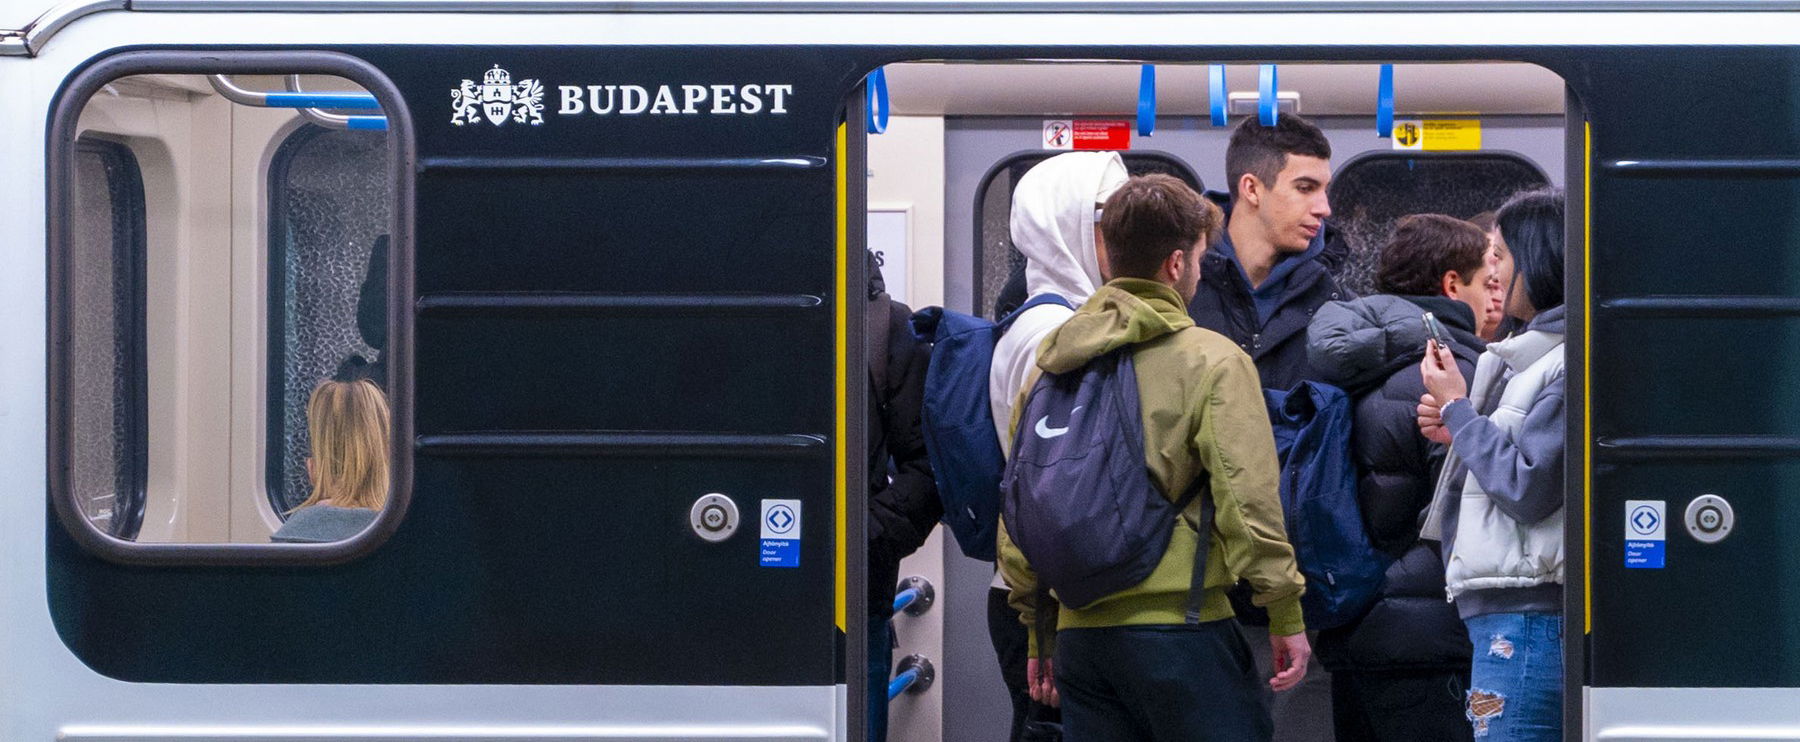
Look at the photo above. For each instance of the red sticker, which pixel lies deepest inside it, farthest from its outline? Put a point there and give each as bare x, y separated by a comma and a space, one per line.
1090, 135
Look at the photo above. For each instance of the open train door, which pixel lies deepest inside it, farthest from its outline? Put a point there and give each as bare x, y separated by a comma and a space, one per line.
1692, 303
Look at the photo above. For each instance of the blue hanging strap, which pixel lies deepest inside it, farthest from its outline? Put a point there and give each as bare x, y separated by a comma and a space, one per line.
878, 101
1146, 120
1384, 103
1266, 107
1215, 84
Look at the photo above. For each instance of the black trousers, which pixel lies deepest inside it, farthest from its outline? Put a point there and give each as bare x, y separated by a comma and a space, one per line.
1400, 705
1181, 683
1010, 638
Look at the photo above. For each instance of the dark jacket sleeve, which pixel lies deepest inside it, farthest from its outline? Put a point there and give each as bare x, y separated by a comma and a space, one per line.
902, 514
1523, 473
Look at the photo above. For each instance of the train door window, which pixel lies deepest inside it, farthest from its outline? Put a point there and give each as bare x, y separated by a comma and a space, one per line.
1371, 192
996, 260
106, 285
227, 380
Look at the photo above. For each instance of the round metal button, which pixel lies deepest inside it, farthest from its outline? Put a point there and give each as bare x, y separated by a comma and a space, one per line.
1709, 519
713, 517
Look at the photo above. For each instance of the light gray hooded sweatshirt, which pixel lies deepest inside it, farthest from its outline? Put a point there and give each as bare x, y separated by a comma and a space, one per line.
1053, 227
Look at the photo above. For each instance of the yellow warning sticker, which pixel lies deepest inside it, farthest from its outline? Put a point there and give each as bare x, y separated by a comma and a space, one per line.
1437, 135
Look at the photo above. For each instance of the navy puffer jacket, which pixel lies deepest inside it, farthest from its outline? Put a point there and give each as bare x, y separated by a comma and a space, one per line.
1371, 347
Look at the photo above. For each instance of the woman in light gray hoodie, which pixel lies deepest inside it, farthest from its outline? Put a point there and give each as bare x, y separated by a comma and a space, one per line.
1498, 508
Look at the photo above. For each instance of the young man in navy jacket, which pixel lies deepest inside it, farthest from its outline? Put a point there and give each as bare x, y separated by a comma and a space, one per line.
1259, 286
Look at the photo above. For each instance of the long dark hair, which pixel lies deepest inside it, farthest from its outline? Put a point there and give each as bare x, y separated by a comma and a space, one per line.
1531, 223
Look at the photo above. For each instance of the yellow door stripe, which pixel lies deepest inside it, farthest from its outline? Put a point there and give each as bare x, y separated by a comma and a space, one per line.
1587, 378
843, 374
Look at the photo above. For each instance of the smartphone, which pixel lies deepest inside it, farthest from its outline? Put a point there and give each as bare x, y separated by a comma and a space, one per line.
1435, 330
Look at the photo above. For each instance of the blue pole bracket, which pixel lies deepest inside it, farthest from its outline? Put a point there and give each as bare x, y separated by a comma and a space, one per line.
878, 101
1384, 103
1146, 110
1267, 108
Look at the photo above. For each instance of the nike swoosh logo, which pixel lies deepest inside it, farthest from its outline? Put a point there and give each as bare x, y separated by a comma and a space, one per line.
1046, 432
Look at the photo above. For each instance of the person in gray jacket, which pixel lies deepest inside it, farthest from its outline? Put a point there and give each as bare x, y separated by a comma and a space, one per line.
348, 427
1498, 508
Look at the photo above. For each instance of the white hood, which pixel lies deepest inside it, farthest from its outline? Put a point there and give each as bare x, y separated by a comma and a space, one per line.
1053, 221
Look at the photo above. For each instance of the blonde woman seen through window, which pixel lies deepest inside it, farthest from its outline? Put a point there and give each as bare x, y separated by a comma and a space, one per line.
348, 426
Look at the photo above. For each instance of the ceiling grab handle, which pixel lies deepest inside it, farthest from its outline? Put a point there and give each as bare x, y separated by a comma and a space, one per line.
1146, 109
332, 120
1215, 85
878, 101
1268, 109
1384, 103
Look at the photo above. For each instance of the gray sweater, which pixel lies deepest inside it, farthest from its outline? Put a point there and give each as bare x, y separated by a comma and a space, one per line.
1522, 475
321, 524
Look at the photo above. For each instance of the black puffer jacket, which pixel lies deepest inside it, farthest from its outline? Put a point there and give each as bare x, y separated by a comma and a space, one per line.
1371, 347
1224, 304
903, 499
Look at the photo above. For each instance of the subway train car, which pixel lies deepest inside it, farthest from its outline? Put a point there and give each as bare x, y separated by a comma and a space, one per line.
602, 265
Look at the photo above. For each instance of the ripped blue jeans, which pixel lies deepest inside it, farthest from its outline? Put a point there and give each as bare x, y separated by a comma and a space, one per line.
1515, 684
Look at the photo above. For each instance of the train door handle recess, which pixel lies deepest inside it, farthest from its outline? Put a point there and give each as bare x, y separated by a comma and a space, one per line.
1709, 519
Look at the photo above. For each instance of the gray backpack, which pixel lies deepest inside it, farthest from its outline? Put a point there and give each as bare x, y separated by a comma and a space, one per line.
1077, 497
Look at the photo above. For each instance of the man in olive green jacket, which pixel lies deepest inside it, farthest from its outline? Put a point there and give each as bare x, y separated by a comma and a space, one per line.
1130, 665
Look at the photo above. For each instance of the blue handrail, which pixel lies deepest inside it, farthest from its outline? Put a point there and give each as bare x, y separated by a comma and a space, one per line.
901, 682
1384, 103
1215, 87
359, 101
905, 598
1146, 107
1268, 109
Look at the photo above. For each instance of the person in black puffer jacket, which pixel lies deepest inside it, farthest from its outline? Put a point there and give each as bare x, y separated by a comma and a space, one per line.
1400, 672
903, 498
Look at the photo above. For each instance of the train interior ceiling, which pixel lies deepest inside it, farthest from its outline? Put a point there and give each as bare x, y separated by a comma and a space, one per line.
939, 195
248, 241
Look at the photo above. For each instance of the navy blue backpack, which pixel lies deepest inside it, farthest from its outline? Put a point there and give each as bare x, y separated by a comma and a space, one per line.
1078, 498
1343, 571
958, 423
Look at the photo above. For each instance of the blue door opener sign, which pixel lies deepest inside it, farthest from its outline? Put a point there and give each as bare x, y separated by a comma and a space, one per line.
1645, 533
780, 533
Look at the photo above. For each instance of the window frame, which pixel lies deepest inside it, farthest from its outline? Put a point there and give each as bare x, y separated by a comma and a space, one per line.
65, 115
125, 189
1007, 162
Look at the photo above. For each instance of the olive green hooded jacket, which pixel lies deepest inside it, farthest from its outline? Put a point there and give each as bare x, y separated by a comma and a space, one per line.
1203, 417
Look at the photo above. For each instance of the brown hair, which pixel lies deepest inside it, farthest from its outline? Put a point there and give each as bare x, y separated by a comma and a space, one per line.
349, 427
1149, 218
1425, 247
1483, 221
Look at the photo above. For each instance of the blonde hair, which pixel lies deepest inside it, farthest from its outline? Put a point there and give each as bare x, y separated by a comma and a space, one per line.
349, 427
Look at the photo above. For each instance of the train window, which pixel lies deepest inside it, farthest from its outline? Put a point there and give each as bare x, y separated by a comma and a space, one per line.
1371, 192
226, 381
329, 205
106, 287
996, 260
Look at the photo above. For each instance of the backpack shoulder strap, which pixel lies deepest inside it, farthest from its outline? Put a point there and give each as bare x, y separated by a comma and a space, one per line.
877, 324
1203, 543
1033, 302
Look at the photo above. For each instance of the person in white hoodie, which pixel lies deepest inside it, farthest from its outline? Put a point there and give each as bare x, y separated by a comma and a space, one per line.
1055, 225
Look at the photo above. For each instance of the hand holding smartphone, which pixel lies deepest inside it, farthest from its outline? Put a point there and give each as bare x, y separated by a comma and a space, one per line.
1434, 331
